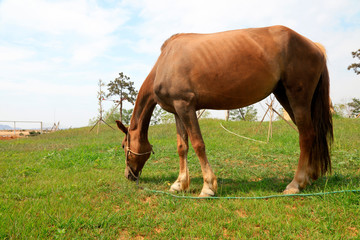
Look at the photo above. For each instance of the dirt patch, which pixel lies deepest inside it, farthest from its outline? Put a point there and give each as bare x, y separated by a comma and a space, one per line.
8, 137
10, 134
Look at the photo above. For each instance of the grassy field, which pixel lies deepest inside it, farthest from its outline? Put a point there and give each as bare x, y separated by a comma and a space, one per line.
70, 185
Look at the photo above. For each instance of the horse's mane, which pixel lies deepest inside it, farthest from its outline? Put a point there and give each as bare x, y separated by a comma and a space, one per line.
169, 39
173, 37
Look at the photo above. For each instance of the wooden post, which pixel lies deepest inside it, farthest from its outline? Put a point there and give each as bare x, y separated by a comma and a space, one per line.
98, 126
98, 122
14, 128
199, 113
284, 119
270, 122
257, 129
112, 112
227, 114
41, 127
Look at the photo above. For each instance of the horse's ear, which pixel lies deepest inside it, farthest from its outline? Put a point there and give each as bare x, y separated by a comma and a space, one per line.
121, 127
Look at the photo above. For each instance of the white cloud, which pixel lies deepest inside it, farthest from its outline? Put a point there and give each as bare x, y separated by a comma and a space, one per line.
88, 51
40, 88
59, 17
11, 53
163, 18
76, 28
50, 52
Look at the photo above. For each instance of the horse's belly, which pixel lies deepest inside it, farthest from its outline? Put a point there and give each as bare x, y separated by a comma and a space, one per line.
234, 93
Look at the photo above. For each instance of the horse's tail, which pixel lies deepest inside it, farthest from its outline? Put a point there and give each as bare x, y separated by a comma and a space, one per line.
322, 121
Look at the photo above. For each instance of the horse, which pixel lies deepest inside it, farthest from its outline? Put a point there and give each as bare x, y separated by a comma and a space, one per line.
229, 70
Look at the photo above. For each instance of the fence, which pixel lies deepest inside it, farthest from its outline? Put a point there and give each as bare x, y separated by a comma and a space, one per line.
14, 124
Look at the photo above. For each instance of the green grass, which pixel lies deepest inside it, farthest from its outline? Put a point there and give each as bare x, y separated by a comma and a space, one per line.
70, 185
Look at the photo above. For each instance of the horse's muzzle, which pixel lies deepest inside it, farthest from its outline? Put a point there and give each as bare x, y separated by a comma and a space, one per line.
128, 175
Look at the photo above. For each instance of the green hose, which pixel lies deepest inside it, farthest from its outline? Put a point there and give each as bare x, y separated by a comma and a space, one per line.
244, 198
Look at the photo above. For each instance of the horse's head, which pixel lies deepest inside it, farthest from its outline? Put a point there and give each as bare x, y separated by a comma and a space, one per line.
137, 152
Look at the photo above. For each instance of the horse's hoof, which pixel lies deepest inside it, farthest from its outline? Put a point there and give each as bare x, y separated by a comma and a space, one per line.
291, 191
175, 187
178, 187
207, 193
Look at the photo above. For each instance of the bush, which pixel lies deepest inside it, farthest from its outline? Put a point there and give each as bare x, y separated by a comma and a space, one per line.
34, 133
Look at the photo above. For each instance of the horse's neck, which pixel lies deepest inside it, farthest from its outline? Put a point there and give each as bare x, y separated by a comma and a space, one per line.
144, 107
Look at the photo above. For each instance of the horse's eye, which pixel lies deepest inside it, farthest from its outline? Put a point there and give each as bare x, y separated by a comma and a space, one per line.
123, 146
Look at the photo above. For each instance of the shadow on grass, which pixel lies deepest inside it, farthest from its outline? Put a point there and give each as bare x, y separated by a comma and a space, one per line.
265, 185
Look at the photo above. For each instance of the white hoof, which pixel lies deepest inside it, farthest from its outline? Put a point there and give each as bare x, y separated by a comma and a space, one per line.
175, 187
207, 193
291, 191
180, 186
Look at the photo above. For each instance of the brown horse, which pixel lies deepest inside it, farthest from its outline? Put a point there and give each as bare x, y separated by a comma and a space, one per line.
229, 70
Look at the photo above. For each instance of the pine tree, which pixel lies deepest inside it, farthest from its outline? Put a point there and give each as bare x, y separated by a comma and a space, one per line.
355, 66
355, 107
124, 89
248, 113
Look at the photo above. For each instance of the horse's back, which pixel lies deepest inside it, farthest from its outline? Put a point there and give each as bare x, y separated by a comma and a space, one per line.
239, 67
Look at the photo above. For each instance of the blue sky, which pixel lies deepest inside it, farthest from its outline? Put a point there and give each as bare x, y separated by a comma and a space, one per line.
52, 53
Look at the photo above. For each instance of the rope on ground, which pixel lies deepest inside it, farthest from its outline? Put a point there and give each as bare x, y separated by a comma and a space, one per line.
251, 198
241, 136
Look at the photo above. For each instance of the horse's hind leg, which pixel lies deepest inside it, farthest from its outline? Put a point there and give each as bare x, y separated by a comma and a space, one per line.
187, 116
298, 104
280, 95
306, 140
183, 181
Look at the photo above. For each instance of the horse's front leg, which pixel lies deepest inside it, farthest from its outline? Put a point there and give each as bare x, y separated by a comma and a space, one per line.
187, 115
183, 181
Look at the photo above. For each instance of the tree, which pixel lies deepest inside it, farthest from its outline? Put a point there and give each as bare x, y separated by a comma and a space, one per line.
341, 110
161, 116
348, 110
156, 116
355, 107
126, 115
124, 89
101, 95
248, 113
111, 116
355, 66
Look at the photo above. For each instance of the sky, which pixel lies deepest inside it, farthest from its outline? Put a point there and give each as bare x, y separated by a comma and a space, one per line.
53, 53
